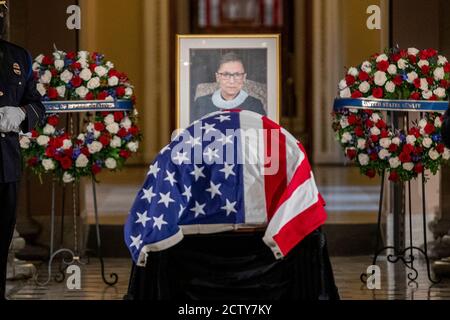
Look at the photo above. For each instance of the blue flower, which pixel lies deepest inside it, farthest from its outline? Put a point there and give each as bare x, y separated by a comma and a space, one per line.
436, 137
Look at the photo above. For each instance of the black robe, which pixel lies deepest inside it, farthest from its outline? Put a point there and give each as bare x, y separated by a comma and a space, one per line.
445, 130
204, 105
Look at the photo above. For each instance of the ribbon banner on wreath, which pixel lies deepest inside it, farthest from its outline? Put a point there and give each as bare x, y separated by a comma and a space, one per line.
397, 80
82, 82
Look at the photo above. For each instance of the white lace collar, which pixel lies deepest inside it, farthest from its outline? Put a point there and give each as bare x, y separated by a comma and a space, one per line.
221, 103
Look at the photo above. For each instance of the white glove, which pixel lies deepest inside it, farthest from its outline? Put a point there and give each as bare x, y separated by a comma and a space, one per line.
11, 118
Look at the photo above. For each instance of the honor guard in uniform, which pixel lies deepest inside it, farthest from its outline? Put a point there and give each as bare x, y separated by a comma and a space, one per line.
20, 110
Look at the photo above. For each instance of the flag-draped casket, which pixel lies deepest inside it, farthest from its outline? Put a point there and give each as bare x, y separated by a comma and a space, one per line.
226, 171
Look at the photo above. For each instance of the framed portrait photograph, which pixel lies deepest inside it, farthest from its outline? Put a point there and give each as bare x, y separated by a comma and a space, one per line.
217, 72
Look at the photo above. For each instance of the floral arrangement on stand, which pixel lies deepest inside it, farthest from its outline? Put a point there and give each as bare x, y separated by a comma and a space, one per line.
365, 135
107, 139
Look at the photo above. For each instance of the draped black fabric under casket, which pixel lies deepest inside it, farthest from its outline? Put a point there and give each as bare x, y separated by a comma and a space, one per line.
235, 266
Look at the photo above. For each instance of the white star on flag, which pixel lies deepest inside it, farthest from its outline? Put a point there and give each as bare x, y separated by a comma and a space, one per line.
194, 141
228, 170
214, 189
166, 199
148, 194
154, 169
229, 207
226, 139
209, 127
159, 222
180, 157
180, 213
198, 172
170, 176
136, 241
223, 118
211, 153
198, 209
187, 193
142, 218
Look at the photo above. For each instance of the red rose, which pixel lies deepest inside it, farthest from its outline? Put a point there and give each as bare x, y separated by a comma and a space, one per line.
68, 152
425, 69
404, 157
416, 83
418, 168
66, 163
431, 53
414, 132
444, 84
102, 95
118, 116
415, 96
374, 156
417, 150
75, 66
120, 91
50, 152
374, 138
122, 132
423, 55
351, 153
412, 58
358, 131
34, 134
350, 79
430, 81
368, 112
393, 147
396, 57
447, 67
113, 73
52, 93
47, 60
96, 169
104, 140
92, 67
369, 123
429, 128
352, 119
356, 94
76, 81
53, 120
398, 80
377, 92
383, 65
440, 148
433, 98
54, 72
89, 96
393, 176
371, 173
85, 151
133, 130
33, 161
381, 124
99, 126
104, 113
71, 55
124, 154
363, 76
384, 133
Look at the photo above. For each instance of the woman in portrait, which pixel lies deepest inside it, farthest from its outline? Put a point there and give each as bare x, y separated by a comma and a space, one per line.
231, 77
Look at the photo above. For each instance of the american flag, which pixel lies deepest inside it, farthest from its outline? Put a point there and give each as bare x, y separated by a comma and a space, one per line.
229, 170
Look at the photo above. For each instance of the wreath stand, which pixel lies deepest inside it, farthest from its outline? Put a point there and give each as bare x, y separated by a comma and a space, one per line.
71, 107
398, 111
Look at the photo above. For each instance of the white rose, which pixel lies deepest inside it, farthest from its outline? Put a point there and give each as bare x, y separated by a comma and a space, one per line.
412, 76
390, 86
385, 142
82, 91
427, 94
24, 142
361, 144
61, 91
109, 119
446, 154
94, 83
67, 144
59, 64
433, 154
394, 162
83, 55
423, 123
42, 140
353, 71
66, 76
383, 154
116, 142
83, 63
109, 98
375, 131
442, 60
113, 81
39, 58
110, 65
423, 84
49, 129
375, 118
422, 63
342, 84
67, 177
440, 92
346, 93
402, 64
100, 71
413, 51
382, 57
90, 127
126, 123
46, 77
35, 66
352, 110
82, 161
344, 122
128, 91
427, 142
439, 73
48, 164
411, 139
438, 122
111, 163
396, 141
392, 69
41, 89
133, 146
408, 166
364, 87
366, 66
363, 159
86, 74
95, 147
81, 137
113, 127
380, 78
346, 137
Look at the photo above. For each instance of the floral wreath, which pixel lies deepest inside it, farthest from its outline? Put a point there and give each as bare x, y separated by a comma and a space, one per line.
365, 137
106, 140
